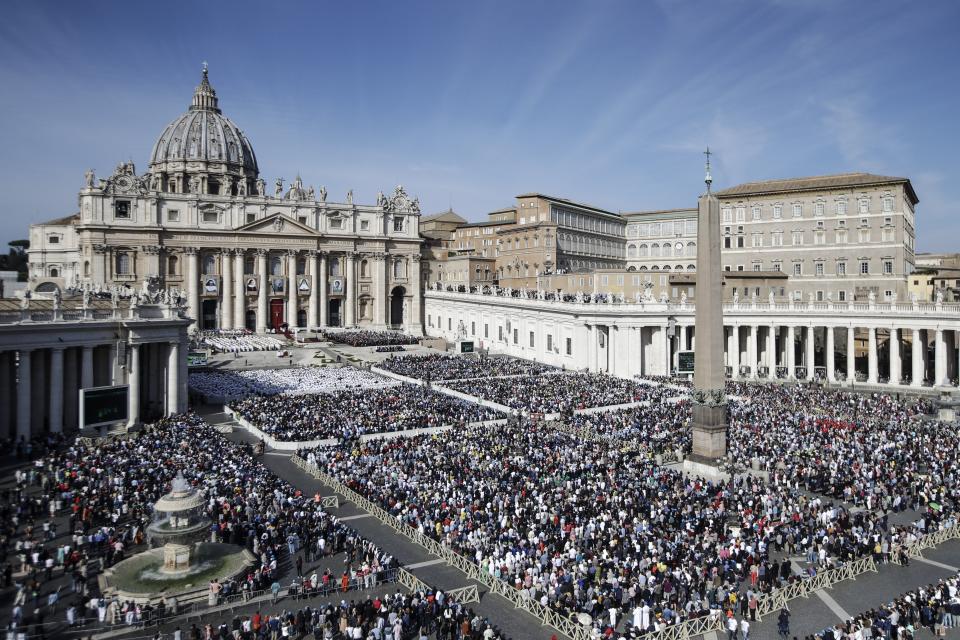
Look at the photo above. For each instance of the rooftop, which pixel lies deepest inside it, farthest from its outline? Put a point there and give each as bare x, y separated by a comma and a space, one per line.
815, 183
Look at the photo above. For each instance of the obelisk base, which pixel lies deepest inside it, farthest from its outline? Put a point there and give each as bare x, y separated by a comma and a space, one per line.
709, 432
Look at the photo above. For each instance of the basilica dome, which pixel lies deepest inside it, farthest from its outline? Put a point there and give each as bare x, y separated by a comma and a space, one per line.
204, 140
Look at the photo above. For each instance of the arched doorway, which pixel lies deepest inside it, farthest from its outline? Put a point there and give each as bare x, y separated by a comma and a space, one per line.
276, 313
397, 297
251, 320
208, 315
47, 287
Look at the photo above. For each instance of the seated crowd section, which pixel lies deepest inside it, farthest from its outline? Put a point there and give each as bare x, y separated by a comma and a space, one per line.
367, 338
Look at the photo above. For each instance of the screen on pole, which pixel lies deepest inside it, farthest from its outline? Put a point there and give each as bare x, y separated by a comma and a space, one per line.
104, 405
685, 362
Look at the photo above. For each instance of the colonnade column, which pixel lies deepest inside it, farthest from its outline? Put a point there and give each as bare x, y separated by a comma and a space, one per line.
791, 351
771, 355
351, 297
916, 361
752, 351
314, 295
6, 397
23, 395
811, 358
872, 375
851, 355
239, 290
292, 292
193, 285
939, 359
133, 379
56, 390
173, 378
262, 291
322, 276
226, 290
86, 367
894, 344
831, 355
383, 290
414, 322
735, 359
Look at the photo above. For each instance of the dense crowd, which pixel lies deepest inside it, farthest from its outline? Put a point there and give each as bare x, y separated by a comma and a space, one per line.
366, 338
396, 616
349, 414
238, 341
592, 526
935, 607
438, 366
231, 385
103, 493
657, 428
560, 393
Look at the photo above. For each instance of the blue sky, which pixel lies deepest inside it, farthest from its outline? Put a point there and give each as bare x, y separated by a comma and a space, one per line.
471, 103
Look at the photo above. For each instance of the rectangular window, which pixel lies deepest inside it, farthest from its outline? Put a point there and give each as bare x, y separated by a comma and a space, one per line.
863, 205
841, 268
841, 207
364, 225
727, 215
516, 336
121, 209
863, 235
486, 330
819, 296
797, 210
842, 295
757, 240
569, 346
678, 227
777, 266
449, 324
865, 267
173, 215
54, 239
741, 214
740, 242
842, 236
550, 342
739, 267
819, 268
755, 213
818, 210
798, 269
777, 211
500, 334
211, 216
888, 235
888, 267
336, 223
756, 267
776, 239
531, 339
473, 328
796, 237
251, 217
819, 237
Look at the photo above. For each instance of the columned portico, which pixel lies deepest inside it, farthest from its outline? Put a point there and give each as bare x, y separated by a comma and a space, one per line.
239, 290
811, 358
916, 360
226, 290
851, 354
351, 289
292, 292
262, 290
940, 359
894, 345
791, 351
322, 277
56, 390
193, 282
314, 298
831, 355
24, 379
872, 374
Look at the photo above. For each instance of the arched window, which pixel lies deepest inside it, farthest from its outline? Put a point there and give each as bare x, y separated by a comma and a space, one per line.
86, 268
631, 251
691, 267
209, 264
666, 268
364, 269
643, 268
655, 250
631, 268
654, 268
335, 267
54, 272
679, 267
301, 266
667, 250
644, 251
691, 249
399, 268
123, 263
276, 266
172, 266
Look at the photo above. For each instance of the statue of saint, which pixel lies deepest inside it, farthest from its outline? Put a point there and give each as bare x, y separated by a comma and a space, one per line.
310, 193
90, 177
350, 196
278, 189
323, 194
261, 187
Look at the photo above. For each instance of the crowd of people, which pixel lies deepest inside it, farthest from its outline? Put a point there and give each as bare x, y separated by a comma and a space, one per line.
231, 385
440, 366
350, 414
562, 393
658, 428
593, 526
368, 338
935, 607
237, 341
101, 494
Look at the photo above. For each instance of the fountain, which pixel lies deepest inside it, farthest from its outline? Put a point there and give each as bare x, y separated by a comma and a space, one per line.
179, 563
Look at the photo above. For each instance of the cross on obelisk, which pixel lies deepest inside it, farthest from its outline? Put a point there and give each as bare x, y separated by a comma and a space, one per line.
709, 400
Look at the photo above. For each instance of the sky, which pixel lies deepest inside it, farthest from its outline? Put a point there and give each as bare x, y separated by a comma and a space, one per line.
470, 103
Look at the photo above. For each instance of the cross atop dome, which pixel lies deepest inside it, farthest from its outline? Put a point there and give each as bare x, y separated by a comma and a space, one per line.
204, 96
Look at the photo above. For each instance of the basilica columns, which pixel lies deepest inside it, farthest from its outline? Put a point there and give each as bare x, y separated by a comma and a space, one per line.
734, 356
872, 374
894, 345
916, 361
351, 297
752, 351
811, 358
239, 290
292, 292
313, 300
226, 290
322, 277
193, 285
414, 322
86, 367
939, 359
791, 351
262, 291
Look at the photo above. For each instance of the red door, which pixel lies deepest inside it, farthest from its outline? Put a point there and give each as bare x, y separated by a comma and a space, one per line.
276, 313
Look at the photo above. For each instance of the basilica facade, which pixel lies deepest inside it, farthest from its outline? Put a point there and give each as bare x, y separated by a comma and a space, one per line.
204, 224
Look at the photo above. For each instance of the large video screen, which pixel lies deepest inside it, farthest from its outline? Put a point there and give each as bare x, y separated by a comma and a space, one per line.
104, 405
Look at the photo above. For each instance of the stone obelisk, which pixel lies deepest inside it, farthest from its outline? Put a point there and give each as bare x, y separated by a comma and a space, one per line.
709, 400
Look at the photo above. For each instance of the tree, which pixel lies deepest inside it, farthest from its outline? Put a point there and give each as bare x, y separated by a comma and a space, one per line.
17, 258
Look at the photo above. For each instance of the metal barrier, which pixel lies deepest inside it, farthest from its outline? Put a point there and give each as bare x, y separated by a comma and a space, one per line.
938, 537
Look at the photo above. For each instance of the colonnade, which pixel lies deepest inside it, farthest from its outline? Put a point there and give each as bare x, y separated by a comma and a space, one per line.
311, 288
